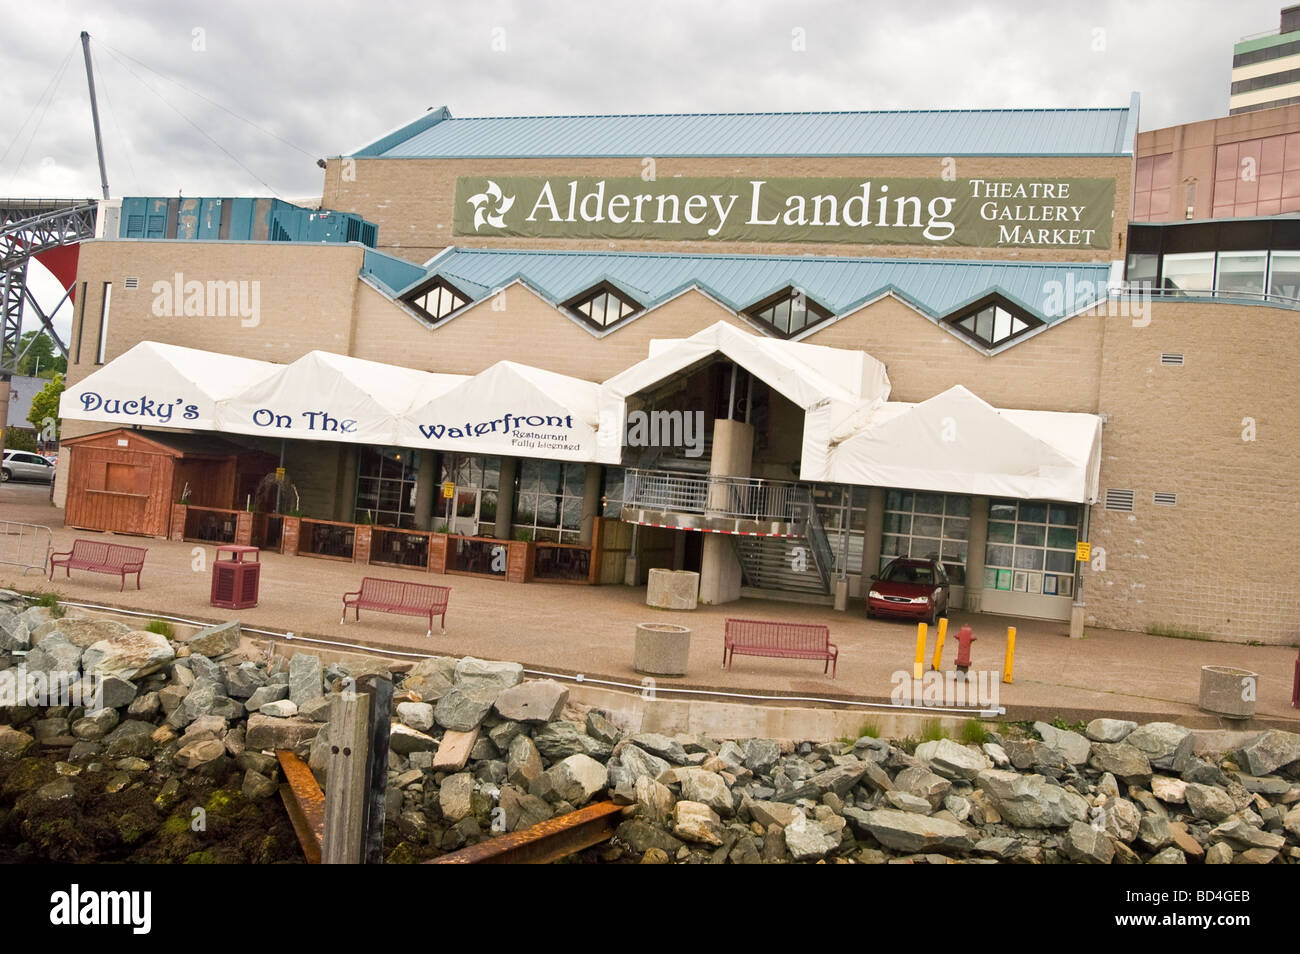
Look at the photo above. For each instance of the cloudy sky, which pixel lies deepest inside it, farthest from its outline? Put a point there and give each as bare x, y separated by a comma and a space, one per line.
241, 97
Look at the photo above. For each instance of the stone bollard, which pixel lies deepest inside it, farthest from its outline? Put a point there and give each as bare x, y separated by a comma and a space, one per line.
672, 589
1229, 692
662, 649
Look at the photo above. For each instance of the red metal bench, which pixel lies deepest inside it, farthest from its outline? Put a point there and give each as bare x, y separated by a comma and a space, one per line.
398, 596
100, 557
753, 637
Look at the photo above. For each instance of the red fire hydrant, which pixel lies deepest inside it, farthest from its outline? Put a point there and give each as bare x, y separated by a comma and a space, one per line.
964, 638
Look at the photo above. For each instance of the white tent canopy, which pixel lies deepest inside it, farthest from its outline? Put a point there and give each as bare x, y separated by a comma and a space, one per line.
510, 409
957, 443
324, 396
161, 385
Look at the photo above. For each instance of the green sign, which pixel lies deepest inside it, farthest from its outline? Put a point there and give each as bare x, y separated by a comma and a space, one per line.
984, 213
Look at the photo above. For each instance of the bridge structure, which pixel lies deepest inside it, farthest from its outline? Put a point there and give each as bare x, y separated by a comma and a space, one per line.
51, 231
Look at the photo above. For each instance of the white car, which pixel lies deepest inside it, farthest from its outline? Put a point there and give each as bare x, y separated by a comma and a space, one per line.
22, 465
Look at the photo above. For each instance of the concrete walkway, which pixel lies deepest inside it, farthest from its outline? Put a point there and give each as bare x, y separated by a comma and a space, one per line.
590, 630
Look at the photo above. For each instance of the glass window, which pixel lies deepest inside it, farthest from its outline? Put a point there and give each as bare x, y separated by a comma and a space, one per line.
788, 313
1036, 539
1189, 272
1141, 269
386, 479
437, 301
927, 526
1284, 275
1241, 273
994, 324
603, 306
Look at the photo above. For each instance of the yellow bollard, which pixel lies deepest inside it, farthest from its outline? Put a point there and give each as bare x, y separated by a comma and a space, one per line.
919, 665
1011, 654
938, 644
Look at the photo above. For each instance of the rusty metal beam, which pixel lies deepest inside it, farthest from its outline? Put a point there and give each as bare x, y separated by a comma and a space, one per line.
305, 802
545, 842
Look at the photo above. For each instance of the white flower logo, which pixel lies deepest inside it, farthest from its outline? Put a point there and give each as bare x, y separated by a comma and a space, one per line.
480, 202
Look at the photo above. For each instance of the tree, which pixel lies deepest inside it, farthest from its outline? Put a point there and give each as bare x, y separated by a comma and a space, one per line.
40, 357
44, 414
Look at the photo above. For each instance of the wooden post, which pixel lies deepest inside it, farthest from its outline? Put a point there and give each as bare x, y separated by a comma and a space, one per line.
379, 689
345, 794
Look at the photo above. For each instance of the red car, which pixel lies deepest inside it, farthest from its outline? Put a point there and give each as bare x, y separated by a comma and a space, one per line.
909, 589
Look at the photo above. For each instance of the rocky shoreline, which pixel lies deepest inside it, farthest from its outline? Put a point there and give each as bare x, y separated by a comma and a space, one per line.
173, 760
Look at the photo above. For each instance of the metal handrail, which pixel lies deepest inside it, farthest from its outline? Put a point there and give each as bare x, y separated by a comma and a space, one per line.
749, 498
34, 541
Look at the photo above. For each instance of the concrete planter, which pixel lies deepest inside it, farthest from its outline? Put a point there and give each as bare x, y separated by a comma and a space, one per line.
672, 589
662, 649
1228, 691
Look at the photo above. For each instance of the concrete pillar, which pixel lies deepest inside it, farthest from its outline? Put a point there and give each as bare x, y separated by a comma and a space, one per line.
347, 499
871, 536
426, 487
733, 456
979, 537
632, 569
590, 502
506, 498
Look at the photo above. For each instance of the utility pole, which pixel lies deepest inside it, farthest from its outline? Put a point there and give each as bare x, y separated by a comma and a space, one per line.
94, 112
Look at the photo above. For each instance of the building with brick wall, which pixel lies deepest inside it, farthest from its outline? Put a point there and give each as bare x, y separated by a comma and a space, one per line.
975, 259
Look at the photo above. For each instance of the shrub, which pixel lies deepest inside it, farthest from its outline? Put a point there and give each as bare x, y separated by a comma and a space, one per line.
161, 627
933, 731
973, 732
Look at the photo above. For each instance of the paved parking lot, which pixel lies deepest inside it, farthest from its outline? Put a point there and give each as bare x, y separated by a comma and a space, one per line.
590, 630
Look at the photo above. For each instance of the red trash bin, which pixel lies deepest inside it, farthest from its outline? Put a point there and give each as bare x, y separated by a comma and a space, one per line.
235, 580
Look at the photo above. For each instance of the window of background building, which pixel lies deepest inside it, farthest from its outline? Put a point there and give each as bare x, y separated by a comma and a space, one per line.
832, 501
993, 322
1031, 547
549, 500
1241, 273
613, 492
1284, 275
1257, 177
924, 526
1153, 188
602, 306
386, 486
788, 313
437, 301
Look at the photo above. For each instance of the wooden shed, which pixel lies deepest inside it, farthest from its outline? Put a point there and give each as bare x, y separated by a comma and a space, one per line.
126, 480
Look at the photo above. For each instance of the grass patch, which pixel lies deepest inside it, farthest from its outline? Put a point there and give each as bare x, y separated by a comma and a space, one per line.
161, 627
869, 730
1178, 632
50, 601
932, 731
973, 732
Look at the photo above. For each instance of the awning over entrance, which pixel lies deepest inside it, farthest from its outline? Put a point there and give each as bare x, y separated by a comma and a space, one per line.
510, 409
957, 443
954, 442
160, 385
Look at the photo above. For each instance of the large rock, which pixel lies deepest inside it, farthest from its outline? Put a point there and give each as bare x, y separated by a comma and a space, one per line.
431, 678
14, 633
1153, 831
773, 813
131, 739
418, 715
1124, 761
760, 755
1030, 801
14, 744
216, 640
1209, 802
404, 740
654, 801
839, 780
464, 709
953, 760
195, 754
304, 679
523, 761
693, 821
577, 779
641, 836
923, 783
910, 832
1165, 745
56, 657
1072, 745
82, 632
265, 694
1242, 835
129, 656
1109, 730
639, 762
1169, 856
538, 700
1122, 819
455, 796
1273, 750
1171, 791
487, 674
560, 739
115, 692
811, 840
660, 745
1084, 844
268, 732
708, 788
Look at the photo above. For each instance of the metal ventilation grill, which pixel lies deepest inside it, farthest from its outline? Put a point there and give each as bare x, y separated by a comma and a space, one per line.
1120, 500
131, 283
1171, 359
1165, 499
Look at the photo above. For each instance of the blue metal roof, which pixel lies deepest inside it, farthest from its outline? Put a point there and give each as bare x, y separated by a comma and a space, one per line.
927, 132
937, 287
